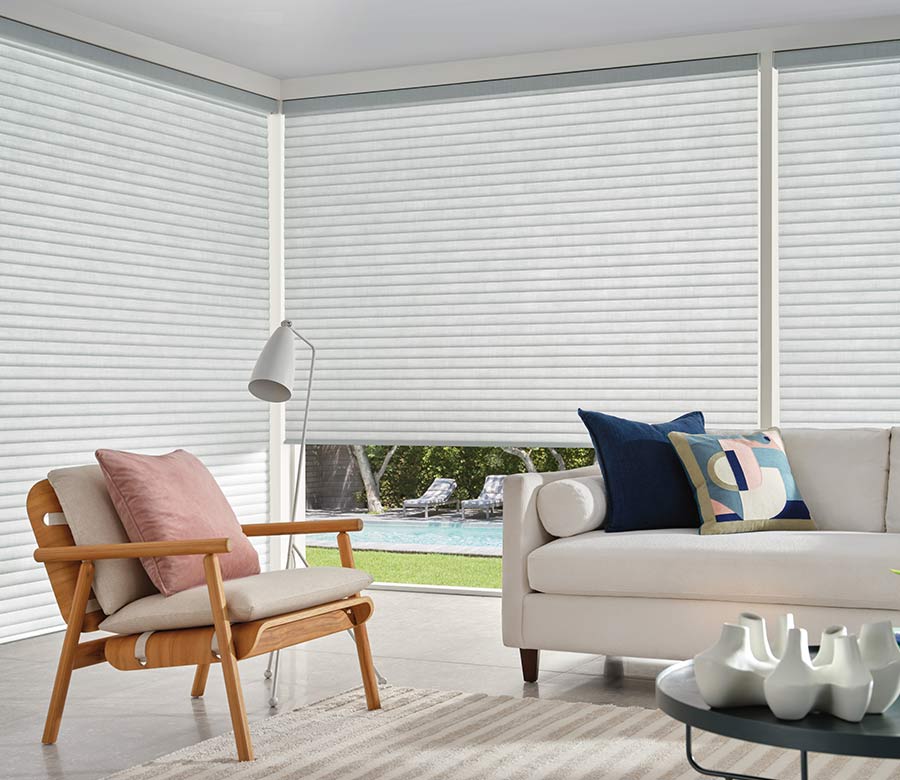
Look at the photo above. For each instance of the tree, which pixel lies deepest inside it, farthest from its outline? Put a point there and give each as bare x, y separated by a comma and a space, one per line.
558, 458
528, 456
372, 479
523, 455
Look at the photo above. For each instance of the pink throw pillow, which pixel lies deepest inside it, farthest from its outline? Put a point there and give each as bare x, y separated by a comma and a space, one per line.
162, 498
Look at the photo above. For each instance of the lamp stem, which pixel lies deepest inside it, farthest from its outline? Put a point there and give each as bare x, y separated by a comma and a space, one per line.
302, 466
272, 669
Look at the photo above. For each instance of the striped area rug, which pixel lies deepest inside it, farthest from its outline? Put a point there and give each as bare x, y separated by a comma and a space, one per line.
441, 735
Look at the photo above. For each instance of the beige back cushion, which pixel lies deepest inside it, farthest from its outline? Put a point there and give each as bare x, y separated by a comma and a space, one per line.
842, 475
892, 516
92, 519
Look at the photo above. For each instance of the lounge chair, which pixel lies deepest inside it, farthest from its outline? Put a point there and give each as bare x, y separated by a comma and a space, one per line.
219, 623
491, 496
439, 493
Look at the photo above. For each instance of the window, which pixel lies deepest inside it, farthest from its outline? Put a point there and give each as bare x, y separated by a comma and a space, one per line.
839, 248
477, 261
134, 257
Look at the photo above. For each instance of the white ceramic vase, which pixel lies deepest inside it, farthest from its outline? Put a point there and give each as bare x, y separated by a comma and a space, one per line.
728, 674
778, 635
878, 647
845, 685
759, 641
791, 691
849, 677
826, 645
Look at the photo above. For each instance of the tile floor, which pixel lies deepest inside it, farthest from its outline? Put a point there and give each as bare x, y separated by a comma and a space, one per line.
115, 720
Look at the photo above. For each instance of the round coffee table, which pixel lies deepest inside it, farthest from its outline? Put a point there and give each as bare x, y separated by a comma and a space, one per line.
875, 736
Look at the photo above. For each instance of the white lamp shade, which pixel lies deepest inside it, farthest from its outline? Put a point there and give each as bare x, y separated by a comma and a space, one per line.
273, 375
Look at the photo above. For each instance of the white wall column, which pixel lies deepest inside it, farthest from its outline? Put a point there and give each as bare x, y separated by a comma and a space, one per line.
279, 461
768, 242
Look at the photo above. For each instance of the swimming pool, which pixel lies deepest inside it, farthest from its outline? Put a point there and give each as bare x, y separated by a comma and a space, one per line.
446, 536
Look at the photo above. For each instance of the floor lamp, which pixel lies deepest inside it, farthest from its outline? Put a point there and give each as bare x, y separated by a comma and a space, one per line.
272, 380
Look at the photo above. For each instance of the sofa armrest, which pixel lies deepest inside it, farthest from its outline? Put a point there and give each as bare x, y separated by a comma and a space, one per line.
522, 535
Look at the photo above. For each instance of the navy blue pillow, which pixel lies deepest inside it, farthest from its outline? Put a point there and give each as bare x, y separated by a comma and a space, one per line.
645, 482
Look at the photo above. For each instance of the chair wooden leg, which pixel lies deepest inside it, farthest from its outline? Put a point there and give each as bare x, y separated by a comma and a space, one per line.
67, 654
361, 634
199, 686
370, 681
229, 662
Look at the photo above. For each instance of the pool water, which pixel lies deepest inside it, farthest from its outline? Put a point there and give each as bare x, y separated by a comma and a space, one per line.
472, 537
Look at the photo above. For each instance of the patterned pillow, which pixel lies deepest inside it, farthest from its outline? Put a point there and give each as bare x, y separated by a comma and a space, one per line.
742, 482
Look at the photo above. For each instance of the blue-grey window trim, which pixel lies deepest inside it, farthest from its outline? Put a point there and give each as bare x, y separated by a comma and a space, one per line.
26, 34
844, 54
524, 84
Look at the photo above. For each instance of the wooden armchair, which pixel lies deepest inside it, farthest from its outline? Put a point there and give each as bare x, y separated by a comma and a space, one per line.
70, 568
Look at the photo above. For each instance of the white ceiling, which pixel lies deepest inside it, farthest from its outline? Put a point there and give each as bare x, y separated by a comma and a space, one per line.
295, 38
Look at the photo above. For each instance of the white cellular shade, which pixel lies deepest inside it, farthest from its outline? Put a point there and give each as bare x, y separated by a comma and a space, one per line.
839, 214
474, 269
134, 295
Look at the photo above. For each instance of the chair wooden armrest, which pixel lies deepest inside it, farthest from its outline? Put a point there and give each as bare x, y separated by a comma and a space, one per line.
98, 552
336, 525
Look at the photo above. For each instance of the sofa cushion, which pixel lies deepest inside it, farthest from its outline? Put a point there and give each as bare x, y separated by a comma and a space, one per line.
572, 506
742, 482
645, 484
842, 475
163, 498
814, 568
93, 519
892, 511
248, 598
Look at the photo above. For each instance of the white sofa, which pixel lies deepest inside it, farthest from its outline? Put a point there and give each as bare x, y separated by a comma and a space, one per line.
664, 594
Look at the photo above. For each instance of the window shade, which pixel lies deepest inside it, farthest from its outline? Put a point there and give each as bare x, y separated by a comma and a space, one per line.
134, 256
839, 214
475, 262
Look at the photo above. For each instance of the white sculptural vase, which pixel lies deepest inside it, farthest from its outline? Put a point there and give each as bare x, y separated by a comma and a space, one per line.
826, 645
778, 638
791, 690
845, 685
759, 641
728, 674
879, 650
848, 677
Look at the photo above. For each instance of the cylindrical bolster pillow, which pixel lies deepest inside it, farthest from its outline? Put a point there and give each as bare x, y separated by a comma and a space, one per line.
572, 506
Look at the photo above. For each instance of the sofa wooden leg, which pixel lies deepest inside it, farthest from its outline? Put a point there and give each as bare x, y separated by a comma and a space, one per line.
200, 676
531, 662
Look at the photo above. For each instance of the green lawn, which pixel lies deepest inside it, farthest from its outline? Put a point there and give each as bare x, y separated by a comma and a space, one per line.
417, 568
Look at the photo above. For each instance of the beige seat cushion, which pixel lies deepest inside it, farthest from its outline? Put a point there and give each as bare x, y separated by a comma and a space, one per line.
248, 598
93, 519
814, 568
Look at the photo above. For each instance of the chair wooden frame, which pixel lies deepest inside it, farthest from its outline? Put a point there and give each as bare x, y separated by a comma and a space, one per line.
70, 568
